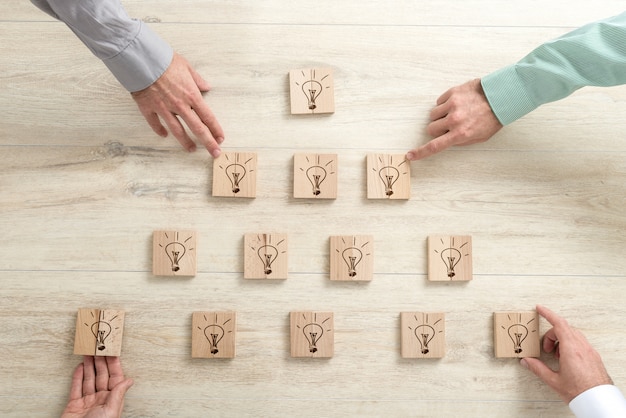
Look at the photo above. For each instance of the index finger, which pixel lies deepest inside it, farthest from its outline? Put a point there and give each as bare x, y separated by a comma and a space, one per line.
432, 147
444, 97
201, 131
552, 317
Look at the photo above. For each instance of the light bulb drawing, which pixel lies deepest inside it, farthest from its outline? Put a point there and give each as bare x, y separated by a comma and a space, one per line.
316, 176
312, 90
313, 332
317, 168
235, 171
268, 254
425, 332
176, 250
101, 329
389, 175
214, 332
518, 333
353, 255
312, 87
451, 256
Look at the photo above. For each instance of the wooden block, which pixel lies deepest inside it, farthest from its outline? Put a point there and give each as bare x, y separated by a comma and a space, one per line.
449, 258
265, 256
423, 335
213, 334
315, 176
174, 253
352, 257
312, 91
388, 176
312, 334
99, 332
234, 174
516, 334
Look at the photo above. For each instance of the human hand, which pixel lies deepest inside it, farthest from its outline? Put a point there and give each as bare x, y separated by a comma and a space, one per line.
178, 93
462, 117
580, 365
98, 389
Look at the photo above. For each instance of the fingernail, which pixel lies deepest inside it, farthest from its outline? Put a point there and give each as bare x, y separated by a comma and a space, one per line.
216, 153
410, 155
219, 140
523, 362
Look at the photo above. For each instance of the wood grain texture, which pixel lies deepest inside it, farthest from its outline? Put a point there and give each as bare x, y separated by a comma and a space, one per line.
84, 183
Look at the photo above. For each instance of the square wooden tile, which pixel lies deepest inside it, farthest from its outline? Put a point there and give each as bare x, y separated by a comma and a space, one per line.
516, 334
312, 91
99, 332
174, 253
450, 258
423, 334
312, 334
265, 256
388, 177
234, 174
213, 334
352, 257
315, 176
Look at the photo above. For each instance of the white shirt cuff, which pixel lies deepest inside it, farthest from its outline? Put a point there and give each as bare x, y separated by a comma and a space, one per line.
604, 401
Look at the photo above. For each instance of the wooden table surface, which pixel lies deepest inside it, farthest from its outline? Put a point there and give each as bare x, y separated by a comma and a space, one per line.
84, 183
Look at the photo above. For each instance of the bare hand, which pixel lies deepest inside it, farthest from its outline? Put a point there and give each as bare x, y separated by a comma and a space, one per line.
462, 117
98, 389
580, 365
178, 93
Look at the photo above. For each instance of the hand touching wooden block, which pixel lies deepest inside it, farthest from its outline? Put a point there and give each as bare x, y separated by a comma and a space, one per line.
99, 332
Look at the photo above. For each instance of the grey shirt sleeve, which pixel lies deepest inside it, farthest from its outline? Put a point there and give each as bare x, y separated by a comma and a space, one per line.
135, 55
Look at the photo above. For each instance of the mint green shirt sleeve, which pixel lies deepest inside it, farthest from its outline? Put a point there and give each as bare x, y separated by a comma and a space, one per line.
593, 55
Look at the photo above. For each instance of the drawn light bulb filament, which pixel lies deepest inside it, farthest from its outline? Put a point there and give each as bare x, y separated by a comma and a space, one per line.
235, 173
175, 252
451, 257
424, 334
313, 332
389, 175
312, 90
352, 256
267, 254
316, 176
101, 330
214, 334
517, 334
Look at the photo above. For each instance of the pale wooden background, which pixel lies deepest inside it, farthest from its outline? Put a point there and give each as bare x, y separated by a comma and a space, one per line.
84, 182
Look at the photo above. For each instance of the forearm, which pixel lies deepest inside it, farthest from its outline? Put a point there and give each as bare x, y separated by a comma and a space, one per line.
129, 48
594, 55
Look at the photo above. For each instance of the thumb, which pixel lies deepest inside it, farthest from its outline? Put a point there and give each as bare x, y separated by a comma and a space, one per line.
116, 396
539, 369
